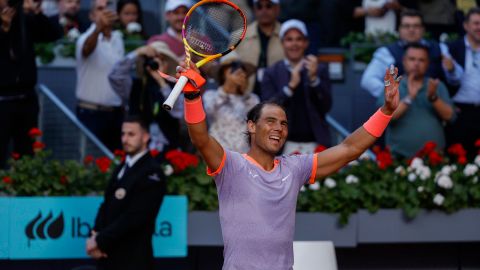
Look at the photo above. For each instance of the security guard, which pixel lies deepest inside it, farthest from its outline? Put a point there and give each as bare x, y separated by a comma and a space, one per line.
122, 235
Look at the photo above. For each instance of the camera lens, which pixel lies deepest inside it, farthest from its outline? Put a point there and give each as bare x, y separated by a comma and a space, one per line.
151, 63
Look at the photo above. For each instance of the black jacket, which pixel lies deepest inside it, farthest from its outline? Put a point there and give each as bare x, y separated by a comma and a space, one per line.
125, 224
18, 71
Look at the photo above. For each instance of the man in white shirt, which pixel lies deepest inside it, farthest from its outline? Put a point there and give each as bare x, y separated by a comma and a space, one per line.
97, 50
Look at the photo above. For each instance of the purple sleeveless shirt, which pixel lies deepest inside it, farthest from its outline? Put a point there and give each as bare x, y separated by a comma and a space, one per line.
257, 209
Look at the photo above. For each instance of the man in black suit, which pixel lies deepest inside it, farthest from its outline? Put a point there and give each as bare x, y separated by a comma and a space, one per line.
122, 235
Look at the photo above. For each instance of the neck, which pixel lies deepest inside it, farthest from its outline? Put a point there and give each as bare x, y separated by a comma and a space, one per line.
264, 159
473, 42
267, 29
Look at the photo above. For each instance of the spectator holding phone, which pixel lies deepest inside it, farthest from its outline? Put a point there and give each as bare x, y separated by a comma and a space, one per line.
98, 49
227, 107
302, 86
22, 25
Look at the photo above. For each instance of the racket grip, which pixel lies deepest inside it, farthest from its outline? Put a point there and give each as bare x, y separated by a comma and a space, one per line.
176, 91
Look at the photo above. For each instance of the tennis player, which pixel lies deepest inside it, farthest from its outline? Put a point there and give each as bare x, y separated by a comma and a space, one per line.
257, 190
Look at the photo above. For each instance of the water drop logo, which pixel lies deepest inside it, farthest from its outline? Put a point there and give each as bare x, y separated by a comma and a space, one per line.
43, 228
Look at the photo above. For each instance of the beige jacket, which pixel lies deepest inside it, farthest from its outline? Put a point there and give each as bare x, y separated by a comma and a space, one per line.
249, 48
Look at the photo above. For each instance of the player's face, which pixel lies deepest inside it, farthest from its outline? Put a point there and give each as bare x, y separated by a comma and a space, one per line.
128, 14
415, 62
270, 131
175, 18
472, 27
294, 45
411, 29
134, 138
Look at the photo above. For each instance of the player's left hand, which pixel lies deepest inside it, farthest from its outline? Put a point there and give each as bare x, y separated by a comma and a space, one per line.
392, 96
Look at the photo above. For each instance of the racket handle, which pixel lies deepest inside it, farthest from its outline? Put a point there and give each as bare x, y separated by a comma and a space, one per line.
176, 91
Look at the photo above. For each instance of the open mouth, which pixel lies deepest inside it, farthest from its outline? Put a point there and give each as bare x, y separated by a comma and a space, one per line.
274, 138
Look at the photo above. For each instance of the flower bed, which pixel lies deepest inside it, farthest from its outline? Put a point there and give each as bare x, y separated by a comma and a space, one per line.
428, 181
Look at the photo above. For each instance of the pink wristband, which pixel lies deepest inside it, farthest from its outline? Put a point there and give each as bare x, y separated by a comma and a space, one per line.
377, 123
193, 111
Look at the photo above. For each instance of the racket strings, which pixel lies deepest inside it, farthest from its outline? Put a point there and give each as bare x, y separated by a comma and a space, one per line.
213, 28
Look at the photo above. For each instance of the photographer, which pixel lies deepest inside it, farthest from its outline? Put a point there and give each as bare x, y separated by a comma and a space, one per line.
22, 24
144, 93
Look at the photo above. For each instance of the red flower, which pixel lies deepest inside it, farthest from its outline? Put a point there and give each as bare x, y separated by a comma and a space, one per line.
154, 152
120, 154
38, 146
384, 158
457, 150
435, 158
103, 164
477, 143
320, 148
376, 149
7, 180
462, 160
63, 180
427, 149
88, 159
35, 132
15, 155
181, 160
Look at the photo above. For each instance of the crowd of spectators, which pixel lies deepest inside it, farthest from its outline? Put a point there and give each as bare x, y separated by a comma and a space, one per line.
440, 95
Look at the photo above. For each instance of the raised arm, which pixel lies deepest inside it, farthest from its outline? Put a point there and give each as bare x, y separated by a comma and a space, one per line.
211, 151
332, 159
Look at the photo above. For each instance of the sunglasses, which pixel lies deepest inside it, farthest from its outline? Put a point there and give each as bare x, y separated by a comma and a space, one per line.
259, 5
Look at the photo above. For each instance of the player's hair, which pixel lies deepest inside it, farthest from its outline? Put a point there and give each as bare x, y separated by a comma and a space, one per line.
256, 112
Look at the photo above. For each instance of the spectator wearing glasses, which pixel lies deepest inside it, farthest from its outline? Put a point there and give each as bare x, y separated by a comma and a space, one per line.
227, 107
411, 30
262, 46
462, 63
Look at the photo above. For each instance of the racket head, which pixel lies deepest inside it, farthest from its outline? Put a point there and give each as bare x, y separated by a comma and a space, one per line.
213, 28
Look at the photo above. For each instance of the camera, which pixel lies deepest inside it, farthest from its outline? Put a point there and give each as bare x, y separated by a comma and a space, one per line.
151, 63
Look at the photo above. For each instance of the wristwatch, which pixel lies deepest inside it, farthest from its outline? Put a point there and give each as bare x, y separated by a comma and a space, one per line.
433, 98
407, 100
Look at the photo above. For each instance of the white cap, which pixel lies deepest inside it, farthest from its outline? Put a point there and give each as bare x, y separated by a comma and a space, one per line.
174, 4
273, 1
293, 24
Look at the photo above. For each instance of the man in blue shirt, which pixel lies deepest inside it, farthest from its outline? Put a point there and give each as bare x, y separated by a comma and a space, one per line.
463, 70
411, 30
424, 105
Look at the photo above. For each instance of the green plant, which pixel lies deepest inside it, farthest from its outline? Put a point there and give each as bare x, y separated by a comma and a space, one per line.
39, 175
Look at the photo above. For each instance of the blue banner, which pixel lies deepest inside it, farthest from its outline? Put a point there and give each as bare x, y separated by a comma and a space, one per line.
57, 227
4, 214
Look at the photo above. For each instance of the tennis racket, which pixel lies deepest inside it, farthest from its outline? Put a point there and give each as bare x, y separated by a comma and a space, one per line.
211, 29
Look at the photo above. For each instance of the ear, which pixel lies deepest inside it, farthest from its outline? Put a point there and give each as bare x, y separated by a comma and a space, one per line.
251, 127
